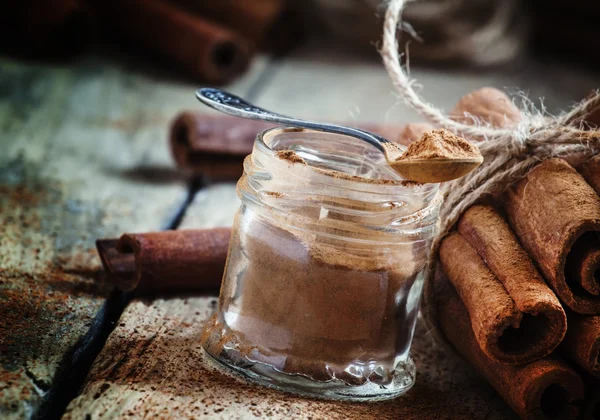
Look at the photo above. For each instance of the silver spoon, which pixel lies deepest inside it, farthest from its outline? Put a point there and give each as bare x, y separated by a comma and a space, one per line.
421, 170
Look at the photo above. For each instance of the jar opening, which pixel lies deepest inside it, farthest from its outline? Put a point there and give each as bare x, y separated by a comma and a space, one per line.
335, 185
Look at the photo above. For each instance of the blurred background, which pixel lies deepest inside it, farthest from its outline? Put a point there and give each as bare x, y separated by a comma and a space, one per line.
215, 41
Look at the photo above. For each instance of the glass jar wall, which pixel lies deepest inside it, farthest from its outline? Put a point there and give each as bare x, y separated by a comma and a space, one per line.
325, 269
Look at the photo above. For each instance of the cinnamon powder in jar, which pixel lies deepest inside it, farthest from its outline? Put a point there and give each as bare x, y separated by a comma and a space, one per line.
325, 268
317, 306
318, 309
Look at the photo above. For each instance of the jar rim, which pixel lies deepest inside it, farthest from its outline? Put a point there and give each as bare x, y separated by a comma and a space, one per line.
302, 189
268, 134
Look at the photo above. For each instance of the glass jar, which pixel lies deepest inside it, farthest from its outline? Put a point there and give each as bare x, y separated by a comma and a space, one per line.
325, 269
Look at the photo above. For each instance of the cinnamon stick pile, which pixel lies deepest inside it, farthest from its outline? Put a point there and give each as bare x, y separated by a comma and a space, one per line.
210, 40
518, 284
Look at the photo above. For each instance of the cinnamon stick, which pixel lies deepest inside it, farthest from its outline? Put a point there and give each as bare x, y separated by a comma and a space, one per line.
532, 322
556, 215
205, 50
213, 146
544, 389
590, 171
582, 342
169, 261
251, 19
514, 315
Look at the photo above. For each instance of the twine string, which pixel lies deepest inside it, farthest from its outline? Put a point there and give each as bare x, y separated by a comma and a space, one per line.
508, 153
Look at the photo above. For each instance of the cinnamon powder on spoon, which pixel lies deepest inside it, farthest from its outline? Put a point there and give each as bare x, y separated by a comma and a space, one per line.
439, 144
438, 156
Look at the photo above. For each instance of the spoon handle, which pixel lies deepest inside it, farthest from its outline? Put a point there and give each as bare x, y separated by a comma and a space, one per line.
233, 105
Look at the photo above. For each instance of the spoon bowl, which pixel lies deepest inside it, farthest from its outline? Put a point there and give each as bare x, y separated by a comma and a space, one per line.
435, 170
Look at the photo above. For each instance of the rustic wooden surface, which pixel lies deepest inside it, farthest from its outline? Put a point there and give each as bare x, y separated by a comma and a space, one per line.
83, 155
153, 366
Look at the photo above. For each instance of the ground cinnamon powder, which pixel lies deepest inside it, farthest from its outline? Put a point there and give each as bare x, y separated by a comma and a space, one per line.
315, 308
315, 302
440, 144
290, 156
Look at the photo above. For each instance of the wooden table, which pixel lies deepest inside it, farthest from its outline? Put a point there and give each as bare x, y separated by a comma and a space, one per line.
83, 155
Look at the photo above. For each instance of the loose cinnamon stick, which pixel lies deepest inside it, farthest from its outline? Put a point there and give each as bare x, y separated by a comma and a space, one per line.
170, 261
582, 342
546, 388
252, 19
556, 216
206, 50
522, 319
213, 146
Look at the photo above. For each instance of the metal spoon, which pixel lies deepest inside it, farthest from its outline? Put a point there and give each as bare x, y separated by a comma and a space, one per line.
424, 170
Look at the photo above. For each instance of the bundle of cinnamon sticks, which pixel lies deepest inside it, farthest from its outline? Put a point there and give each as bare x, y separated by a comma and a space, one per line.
518, 284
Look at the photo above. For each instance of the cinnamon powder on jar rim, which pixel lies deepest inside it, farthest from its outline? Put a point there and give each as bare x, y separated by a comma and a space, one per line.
311, 287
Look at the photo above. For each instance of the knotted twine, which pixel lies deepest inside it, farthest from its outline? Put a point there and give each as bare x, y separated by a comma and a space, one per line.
509, 153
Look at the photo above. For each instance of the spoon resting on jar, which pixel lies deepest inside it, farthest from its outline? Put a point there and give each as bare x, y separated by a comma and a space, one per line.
439, 155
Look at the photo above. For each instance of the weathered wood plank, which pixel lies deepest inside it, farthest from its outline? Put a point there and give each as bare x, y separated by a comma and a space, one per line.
83, 154
213, 206
153, 366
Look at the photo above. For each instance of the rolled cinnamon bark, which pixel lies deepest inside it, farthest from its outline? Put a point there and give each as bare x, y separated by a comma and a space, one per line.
252, 19
522, 319
169, 261
582, 342
488, 105
590, 170
544, 389
204, 49
213, 146
556, 216
491, 310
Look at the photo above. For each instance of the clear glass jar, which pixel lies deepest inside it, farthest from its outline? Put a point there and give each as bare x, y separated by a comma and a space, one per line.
325, 269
